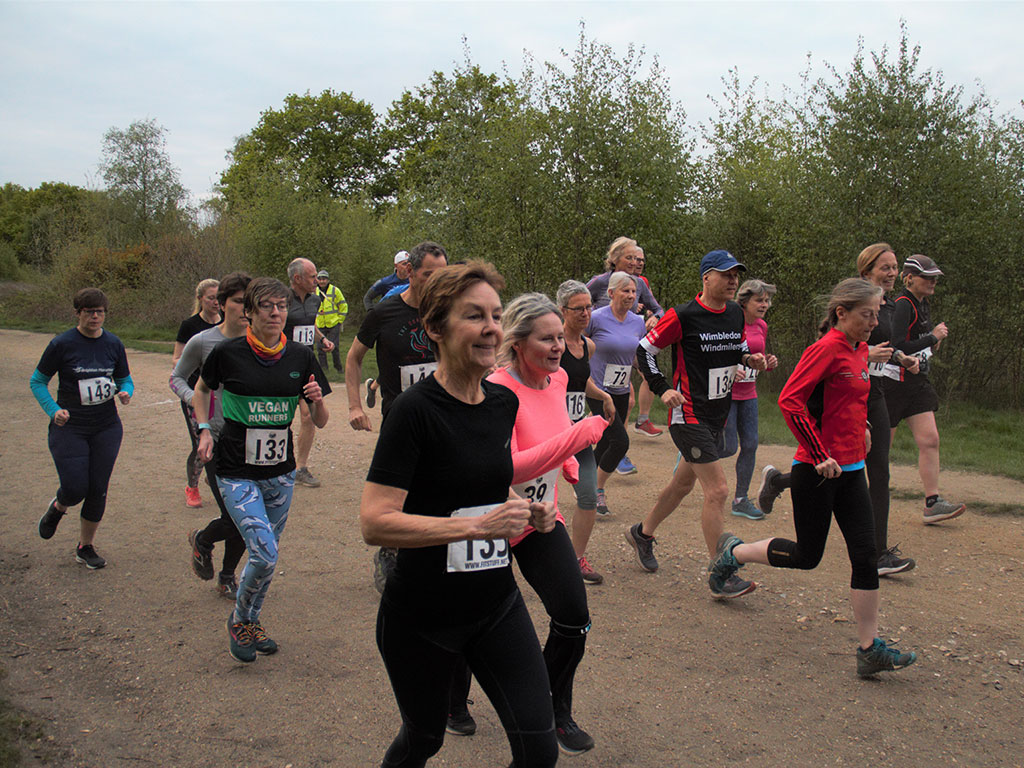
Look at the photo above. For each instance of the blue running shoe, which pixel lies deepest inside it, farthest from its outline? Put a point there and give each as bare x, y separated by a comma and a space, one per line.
881, 658
745, 508
626, 467
724, 566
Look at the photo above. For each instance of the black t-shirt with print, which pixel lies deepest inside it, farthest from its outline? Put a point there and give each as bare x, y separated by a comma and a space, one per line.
395, 329
258, 403
447, 455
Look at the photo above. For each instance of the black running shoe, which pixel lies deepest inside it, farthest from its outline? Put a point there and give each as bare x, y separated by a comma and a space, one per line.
50, 520
87, 556
644, 548
202, 557
227, 585
572, 739
881, 658
260, 640
891, 561
767, 494
240, 641
460, 722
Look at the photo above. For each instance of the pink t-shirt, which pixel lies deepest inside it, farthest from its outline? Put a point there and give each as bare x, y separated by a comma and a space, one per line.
543, 423
745, 385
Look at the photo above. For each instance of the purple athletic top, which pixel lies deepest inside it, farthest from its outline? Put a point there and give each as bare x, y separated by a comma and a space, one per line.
616, 344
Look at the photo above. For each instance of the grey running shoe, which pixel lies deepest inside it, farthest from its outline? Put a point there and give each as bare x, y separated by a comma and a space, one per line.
603, 513
88, 557
306, 477
260, 640
384, 561
572, 739
202, 557
590, 576
241, 645
745, 508
891, 561
942, 510
881, 658
767, 494
732, 587
371, 394
644, 548
227, 585
460, 722
724, 566
50, 520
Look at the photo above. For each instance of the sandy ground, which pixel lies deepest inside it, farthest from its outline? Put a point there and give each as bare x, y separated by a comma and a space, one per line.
128, 666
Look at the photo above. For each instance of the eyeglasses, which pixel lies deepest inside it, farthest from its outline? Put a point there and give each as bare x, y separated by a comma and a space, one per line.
96, 312
581, 310
270, 306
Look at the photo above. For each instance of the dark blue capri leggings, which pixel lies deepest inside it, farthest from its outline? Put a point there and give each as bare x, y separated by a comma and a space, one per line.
614, 443
504, 656
85, 458
815, 501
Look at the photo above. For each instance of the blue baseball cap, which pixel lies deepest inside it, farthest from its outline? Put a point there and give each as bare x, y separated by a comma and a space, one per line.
720, 261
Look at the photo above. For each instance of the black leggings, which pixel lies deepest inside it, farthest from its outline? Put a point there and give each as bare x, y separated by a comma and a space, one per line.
615, 441
84, 457
548, 562
877, 466
222, 528
504, 656
815, 501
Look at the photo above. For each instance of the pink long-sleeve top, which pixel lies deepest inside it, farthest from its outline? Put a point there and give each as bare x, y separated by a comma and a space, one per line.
544, 439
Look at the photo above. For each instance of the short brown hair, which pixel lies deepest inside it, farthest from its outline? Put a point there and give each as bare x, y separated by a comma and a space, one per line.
90, 298
263, 288
867, 258
232, 283
447, 284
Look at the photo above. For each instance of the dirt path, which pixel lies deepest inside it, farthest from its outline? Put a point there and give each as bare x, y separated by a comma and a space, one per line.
128, 666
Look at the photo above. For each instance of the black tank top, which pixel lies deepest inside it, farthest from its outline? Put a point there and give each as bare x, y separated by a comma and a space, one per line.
578, 370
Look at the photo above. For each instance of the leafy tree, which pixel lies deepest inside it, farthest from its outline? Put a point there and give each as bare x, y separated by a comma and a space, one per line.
142, 182
326, 145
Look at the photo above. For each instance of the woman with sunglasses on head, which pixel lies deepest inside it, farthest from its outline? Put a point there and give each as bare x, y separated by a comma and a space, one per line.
912, 397
85, 430
205, 315
262, 377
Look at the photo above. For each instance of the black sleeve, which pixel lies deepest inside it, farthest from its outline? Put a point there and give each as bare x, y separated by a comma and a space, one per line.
183, 330
211, 368
370, 328
49, 363
647, 362
903, 318
399, 446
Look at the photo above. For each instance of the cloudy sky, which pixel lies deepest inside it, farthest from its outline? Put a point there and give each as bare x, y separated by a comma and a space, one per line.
205, 70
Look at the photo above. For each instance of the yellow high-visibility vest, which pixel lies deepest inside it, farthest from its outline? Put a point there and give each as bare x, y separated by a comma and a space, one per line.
333, 307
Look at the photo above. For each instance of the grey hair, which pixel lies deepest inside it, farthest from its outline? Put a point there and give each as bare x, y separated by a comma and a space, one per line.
295, 267
567, 290
517, 322
620, 279
754, 287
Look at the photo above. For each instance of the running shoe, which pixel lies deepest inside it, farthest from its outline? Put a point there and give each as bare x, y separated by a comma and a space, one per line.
50, 520
646, 427
460, 722
603, 513
942, 510
227, 585
891, 561
745, 508
732, 587
724, 566
590, 576
87, 556
644, 548
240, 641
371, 394
192, 497
202, 557
260, 640
767, 494
572, 739
626, 467
881, 658
305, 477
384, 561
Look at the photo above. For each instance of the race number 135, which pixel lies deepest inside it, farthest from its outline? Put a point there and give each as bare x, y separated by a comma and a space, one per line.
477, 555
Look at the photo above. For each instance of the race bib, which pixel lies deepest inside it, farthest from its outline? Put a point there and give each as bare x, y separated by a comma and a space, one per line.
923, 355
745, 375
539, 489
576, 403
887, 370
266, 447
616, 376
96, 391
303, 334
410, 374
478, 555
720, 382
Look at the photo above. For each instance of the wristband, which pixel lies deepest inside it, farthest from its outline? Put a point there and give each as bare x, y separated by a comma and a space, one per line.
201, 426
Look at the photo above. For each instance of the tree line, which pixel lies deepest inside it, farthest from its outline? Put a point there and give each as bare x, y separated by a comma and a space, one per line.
540, 172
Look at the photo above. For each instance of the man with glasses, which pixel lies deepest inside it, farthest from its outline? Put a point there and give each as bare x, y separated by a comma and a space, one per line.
300, 327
